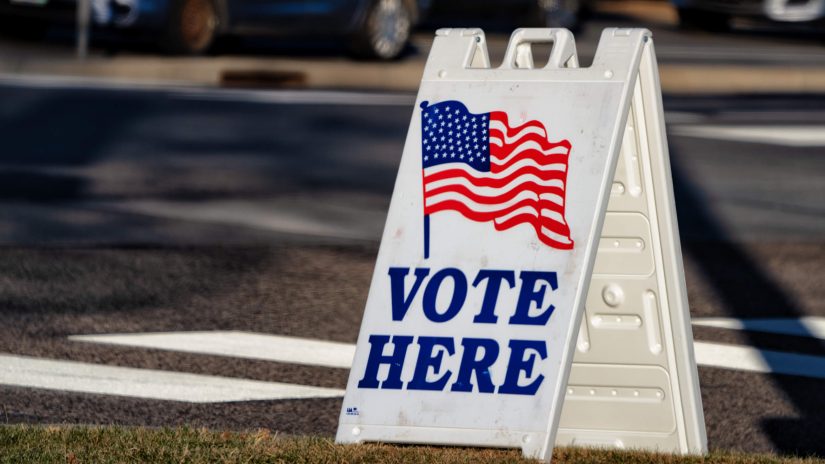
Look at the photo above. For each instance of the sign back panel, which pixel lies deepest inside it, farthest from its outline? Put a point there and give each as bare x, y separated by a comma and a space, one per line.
485, 261
634, 382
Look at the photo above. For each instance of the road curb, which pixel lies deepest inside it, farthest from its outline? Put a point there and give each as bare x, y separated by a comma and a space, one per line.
692, 79
345, 74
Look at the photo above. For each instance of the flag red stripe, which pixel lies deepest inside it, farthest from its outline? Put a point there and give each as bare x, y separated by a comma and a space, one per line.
532, 220
488, 200
492, 182
532, 154
499, 151
501, 117
473, 215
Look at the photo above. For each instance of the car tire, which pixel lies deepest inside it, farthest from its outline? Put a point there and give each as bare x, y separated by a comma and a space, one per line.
558, 13
191, 27
693, 19
385, 30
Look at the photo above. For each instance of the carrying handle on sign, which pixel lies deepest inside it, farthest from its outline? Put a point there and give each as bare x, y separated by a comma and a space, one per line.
520, 55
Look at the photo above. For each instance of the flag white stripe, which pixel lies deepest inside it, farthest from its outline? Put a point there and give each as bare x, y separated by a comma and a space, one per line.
523, 210
498, 125
528, 145
555, 236
557, 199
445, 196
496, 191
557, 167
553, 215
480, 207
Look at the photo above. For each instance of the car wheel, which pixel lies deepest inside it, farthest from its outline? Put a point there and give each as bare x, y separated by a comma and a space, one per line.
385, 30
558, 13
692, 19
191, 28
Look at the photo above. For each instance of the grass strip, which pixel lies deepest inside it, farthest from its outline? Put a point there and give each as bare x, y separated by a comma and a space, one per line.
111, 444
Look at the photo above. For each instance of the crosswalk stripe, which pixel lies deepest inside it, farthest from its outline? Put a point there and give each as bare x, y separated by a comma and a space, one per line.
810, 326
236, 344
72, 376
24, 371
789, 136
317, 352
745, 358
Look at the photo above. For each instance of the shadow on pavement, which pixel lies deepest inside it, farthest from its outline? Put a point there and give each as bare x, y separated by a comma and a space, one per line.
49, 137
70, 154
747, 291
62, 128
40, 187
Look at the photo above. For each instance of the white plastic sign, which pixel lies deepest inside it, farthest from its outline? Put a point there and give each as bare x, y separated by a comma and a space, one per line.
480, 284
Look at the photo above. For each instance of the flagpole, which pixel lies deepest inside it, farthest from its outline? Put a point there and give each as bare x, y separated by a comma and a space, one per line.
426, 236
424, 105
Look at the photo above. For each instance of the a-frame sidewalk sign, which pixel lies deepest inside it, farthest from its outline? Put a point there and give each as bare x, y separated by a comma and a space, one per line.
529, 289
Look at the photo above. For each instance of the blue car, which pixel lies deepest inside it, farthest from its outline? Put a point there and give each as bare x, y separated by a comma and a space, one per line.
536, 13
373, 28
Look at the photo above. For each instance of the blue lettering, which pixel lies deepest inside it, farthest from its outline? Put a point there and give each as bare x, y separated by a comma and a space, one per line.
522, 377
377, 358
457, 301
487, 315
528, 295
426, 359
517, 364
400, 301
481, 367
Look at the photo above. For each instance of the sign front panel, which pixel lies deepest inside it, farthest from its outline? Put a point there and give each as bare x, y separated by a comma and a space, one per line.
478, 283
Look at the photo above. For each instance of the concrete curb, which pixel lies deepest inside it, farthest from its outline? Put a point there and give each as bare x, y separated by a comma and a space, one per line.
401, 76
691, 79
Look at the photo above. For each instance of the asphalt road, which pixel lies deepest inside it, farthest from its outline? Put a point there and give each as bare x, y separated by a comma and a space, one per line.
154, 210
92, 166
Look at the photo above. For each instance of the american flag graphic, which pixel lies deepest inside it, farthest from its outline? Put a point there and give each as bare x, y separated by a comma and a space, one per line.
489, 171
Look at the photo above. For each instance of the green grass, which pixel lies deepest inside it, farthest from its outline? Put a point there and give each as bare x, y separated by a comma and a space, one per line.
79, 444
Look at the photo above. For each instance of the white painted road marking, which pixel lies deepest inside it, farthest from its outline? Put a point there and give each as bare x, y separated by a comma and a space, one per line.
810, 326
239, 345
23, 371
751, 359
789, 136
316, 352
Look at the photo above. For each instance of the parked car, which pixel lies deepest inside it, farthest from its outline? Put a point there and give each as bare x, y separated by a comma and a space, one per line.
561, 13
537, 13
715, 15
374, 28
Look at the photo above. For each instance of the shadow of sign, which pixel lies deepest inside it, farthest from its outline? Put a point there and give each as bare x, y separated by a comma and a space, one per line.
745, 290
